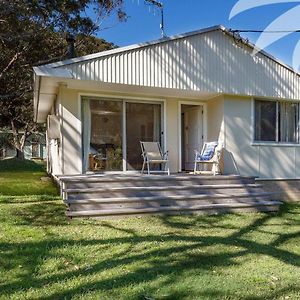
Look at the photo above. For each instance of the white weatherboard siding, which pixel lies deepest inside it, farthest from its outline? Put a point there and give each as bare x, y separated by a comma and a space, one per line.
66, 155
229, 121
215, 117
242, 157
210, 62
208, 66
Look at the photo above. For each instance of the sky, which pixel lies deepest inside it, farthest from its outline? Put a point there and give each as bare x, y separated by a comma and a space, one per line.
182, 16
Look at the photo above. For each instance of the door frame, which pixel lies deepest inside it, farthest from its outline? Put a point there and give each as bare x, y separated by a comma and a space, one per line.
204, 121
126, 99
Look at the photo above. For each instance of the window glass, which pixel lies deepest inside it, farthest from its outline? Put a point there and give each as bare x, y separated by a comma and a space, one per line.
143, 123
276, 121
102, 135
265, 121
288, 122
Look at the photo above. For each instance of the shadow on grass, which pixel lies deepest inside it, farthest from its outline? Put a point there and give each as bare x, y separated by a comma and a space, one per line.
16, 164
28, 199
178, 253
41, 214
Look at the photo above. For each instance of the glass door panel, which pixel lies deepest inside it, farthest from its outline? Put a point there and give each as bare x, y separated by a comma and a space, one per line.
105, 151
143, 123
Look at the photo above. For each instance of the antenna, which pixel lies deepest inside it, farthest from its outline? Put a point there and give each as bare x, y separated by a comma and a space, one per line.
160, 6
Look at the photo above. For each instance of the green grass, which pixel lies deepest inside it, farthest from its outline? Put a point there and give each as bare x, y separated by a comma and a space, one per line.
236, 256
23, 178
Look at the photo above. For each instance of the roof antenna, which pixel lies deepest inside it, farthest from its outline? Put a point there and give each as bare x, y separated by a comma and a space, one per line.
159, 5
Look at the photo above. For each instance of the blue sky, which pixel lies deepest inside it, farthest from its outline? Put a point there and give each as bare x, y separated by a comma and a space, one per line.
188, 15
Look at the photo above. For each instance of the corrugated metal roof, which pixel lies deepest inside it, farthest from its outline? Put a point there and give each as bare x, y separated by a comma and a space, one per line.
208, 61
164, 40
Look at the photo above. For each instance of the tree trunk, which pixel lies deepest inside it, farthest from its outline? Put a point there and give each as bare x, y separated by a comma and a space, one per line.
20, 154
19, 139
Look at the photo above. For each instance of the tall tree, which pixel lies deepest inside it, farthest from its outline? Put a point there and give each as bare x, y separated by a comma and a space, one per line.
33, 32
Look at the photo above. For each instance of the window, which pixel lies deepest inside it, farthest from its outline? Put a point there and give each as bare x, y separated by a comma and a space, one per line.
276, 121
288, 128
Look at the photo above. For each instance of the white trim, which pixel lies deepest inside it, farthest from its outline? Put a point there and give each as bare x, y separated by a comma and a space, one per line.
79, 103
252, 125
295, 162
164, 129
274, 144
204, 120
120, 97
277, 179
60, 145
124, 138
277, 122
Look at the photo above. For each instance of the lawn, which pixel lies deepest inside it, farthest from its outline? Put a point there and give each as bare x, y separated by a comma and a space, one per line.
235, 256
20, 178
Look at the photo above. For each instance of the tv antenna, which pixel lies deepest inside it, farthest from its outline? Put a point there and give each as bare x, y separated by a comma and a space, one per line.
160, 6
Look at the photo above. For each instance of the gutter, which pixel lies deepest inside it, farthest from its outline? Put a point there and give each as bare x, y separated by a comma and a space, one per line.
38, 97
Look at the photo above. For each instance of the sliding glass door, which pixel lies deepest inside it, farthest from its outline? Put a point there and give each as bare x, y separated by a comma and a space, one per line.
112, 131
102, 135
143, 123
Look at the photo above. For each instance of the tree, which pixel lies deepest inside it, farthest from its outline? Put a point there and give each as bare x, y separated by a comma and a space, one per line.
34, 32
5, 141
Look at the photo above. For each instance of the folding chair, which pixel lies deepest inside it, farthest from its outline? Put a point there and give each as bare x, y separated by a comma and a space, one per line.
152, 154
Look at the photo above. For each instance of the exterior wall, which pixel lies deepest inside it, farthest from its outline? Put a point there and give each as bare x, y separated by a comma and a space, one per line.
70, 115
215, 117
260, 159
27, 152
229, 121
210, 61
216, 125
54, 146
172, 133
66, 154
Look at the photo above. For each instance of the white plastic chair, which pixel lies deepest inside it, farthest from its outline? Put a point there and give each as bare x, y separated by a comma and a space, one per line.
210, 154
152, 154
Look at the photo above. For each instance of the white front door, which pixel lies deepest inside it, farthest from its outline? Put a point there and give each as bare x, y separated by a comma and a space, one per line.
193, 134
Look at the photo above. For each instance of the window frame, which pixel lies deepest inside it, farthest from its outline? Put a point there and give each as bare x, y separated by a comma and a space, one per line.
277, 142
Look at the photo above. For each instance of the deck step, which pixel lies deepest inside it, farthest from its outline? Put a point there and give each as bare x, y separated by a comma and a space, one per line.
214, 208
122, 200
160, 188
122, 195
136, 178
100, 181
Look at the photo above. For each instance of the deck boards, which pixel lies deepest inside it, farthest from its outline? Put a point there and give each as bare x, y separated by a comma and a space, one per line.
132, 194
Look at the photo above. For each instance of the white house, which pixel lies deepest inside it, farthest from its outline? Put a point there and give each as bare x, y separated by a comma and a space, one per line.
180, 91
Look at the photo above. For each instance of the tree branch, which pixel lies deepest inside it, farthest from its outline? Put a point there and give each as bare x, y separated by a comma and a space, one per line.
12, 61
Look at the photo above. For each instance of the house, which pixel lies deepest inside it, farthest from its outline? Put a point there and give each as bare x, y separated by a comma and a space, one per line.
181, 91
35, 148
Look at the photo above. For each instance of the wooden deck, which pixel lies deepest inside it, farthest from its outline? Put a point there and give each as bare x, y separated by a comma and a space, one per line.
108, 195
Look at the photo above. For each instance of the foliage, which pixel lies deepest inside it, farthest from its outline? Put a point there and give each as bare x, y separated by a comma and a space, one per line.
5, 140
33, 32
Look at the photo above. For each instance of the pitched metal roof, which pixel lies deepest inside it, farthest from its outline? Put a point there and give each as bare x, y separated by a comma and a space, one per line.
155, 42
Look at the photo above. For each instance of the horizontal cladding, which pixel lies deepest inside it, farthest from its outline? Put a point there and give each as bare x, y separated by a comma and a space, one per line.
211, 62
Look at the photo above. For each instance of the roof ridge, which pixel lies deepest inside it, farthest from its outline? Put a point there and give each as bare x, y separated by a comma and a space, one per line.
159, 41
132, 47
